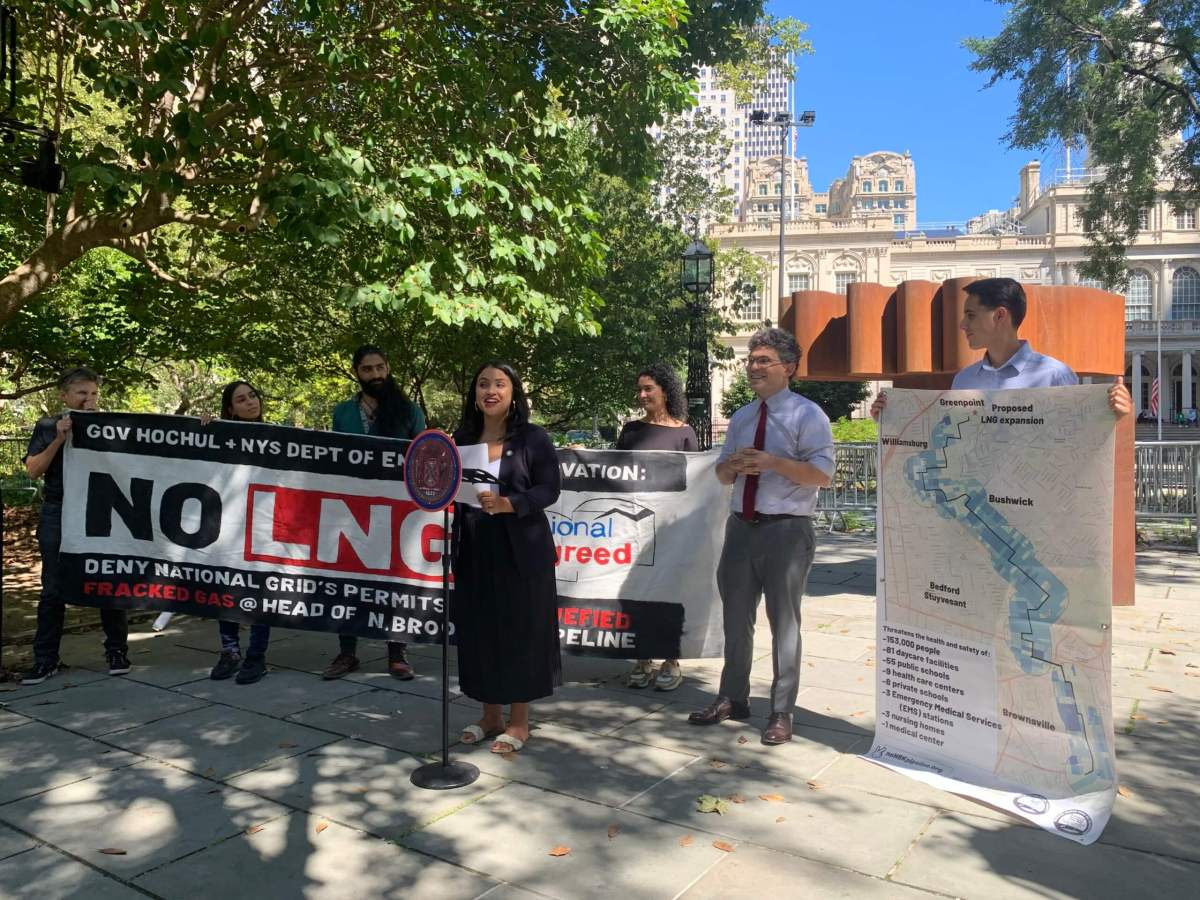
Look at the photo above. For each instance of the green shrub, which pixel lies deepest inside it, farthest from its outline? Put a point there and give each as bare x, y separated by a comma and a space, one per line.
855, 431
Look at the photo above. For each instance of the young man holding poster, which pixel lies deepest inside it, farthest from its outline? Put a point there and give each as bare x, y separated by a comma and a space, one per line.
994, 310
379, 408
79, 390
777, 455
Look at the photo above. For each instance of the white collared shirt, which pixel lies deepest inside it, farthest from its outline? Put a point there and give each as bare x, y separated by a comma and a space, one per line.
796, 429
1024, 369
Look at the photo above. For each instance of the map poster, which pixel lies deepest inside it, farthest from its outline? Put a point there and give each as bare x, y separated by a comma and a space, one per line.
995, 600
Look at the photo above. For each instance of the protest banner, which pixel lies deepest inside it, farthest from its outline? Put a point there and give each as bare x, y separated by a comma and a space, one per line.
995, 600
315, 530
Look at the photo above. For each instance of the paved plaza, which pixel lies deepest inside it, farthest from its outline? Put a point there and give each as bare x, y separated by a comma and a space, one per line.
163, 783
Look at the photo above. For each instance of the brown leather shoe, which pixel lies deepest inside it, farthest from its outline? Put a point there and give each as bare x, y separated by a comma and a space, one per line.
343, 664
398, 664
719, 710
778, 730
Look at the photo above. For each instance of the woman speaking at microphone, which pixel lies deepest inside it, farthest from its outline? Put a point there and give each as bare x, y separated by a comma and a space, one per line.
504, 606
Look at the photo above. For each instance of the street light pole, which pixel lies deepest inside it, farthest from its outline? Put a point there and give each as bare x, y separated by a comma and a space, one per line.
696, 277
784, 134
785, 123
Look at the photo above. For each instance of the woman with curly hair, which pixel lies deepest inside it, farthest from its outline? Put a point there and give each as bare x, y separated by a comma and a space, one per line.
663, 427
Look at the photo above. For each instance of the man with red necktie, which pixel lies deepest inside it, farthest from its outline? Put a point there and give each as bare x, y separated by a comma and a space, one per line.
778, 453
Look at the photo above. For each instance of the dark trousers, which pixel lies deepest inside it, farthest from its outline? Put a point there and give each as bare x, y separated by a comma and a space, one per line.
349, 645
52, 609
764, 558
260, 636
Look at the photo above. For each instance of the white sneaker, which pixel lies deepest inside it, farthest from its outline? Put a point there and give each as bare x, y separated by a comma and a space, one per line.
669, 677
641, 674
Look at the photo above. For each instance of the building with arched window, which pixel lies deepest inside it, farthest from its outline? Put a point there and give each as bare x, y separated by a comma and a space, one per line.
1039, 241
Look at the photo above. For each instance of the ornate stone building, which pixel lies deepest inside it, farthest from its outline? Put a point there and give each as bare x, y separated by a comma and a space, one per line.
880, 184
1039, 241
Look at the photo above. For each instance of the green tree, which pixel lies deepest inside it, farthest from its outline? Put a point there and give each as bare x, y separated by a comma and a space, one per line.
836, 398
422, 142
1123, 80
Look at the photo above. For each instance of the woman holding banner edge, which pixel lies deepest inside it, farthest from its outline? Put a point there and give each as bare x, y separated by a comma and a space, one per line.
663, 427
505, 605
241, 402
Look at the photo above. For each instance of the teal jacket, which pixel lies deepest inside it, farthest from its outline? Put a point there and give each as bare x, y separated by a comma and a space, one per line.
347, 419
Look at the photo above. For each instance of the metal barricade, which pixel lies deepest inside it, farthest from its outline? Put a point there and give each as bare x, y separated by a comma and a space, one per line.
855, 483
1166, 474
1166, 482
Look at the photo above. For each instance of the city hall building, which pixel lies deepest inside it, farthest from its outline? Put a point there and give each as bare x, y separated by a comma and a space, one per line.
864, 229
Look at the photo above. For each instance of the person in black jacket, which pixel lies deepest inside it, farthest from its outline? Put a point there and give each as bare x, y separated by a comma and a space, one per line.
505, 605
79, 390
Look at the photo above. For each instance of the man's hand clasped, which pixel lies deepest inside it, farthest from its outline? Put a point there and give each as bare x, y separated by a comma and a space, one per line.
749, 461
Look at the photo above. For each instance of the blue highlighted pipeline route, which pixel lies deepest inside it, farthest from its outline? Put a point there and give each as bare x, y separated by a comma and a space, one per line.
1038, 601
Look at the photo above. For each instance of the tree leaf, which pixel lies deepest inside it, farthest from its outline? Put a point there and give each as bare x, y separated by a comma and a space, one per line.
560, 850
613, 831
686, 841
772, 798
321, 826
113, 851
1124, 791
736, 798
724, 846
707, 803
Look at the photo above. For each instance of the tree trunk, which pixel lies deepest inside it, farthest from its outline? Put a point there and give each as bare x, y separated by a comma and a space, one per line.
63, 247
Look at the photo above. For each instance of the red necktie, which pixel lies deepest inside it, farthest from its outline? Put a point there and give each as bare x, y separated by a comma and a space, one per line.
750, 488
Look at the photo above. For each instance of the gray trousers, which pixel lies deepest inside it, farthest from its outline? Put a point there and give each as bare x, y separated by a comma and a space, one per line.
771, 558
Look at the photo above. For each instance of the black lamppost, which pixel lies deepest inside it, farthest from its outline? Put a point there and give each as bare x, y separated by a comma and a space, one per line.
696, 276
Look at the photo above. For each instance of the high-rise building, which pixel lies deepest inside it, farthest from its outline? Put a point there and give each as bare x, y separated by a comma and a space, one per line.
750, 142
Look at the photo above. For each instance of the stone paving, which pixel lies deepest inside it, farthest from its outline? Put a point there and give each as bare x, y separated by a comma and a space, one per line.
296, 787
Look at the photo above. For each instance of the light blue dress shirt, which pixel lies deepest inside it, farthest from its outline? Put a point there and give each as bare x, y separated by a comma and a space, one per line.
796, 429
1025, 369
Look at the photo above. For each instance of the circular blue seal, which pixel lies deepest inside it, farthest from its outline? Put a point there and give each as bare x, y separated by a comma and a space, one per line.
432, 470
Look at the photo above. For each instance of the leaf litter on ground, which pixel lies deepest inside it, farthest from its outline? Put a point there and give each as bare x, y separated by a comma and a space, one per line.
707, 803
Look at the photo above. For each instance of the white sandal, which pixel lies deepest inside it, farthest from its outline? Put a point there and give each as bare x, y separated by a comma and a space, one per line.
511, 744
476, 734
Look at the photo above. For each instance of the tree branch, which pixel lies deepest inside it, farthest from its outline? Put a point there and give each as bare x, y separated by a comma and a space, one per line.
136, 248
25, 392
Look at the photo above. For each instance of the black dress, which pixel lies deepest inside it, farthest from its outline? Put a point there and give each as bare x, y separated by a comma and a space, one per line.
505, 606
641, 435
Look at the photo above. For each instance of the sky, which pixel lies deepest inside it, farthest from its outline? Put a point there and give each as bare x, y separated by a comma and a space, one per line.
894, 76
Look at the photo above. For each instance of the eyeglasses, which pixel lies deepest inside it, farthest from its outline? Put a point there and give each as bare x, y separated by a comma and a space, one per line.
761, 362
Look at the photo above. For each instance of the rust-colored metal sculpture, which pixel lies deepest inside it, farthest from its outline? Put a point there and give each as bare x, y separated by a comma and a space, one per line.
909, 335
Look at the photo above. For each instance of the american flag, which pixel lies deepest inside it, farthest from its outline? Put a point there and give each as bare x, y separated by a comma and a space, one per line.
1154, 398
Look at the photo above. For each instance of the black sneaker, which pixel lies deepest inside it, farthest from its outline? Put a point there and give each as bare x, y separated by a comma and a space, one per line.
40, 672
253, 669
118, 662
229, 663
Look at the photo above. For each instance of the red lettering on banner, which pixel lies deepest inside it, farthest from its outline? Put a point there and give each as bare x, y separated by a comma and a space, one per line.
581, 617
308, 529
430, 535
600, 556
